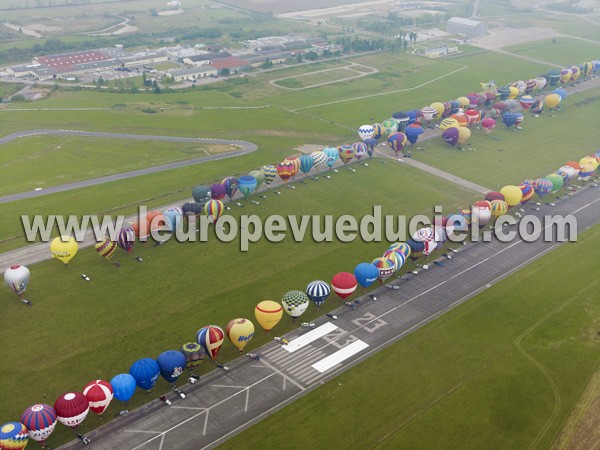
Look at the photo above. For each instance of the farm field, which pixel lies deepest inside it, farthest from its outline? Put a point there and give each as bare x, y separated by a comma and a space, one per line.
144, 309
53, 160
510, 363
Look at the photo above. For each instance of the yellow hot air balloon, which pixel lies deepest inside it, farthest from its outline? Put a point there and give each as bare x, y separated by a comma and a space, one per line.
239, 332
590, 160
552, 100
449, 122
268, 314
63, 248
512, 195
514, 92
439, 109
499, 207
463, 135
464, 102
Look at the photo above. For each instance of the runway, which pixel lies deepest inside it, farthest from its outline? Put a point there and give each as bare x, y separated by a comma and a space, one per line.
223, 403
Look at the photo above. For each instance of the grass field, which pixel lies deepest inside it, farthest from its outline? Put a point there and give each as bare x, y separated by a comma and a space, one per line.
98, 329
563, 51
54, 160
503, 370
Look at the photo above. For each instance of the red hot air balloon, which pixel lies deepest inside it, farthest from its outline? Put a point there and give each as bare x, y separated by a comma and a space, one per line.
72, 408
99, 394
344, 284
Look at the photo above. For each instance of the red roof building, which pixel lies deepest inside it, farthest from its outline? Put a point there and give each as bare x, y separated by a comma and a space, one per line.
67, 61
229, 62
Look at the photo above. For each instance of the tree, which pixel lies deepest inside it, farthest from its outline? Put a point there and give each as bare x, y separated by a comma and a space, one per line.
299, 57
311, 55
268, 63
225, 72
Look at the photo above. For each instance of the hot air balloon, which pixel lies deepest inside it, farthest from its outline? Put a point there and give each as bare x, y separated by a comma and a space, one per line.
527, 191
401, 118
473, 116
401, 247
306, 163
285, 169
366, 274
171, 364
346, 153
201, 194
481, 213
332, 155
240, 332
449, 122
397, 258
40, 421
174, 214
295, 163
526, 101
268, 314
460, 118
463, 135
16, 279
192, 208
126, 239
504, 92
13, 436
413, 132
429, 113
145, 371
141, 228
231, 186
537, 107
360, 150
247, 184
512, 195
540, 82
270, 173
99, 394
218, 192
106, 248
439, 109
531, 85
397, 141
488, 124
557, 181
194, 354
344, 284
492, 195
586, 172
71, 408
64, 249
542, 187
320, 159
416, 248
390, 126
450, 135
371, 144
565, 75
552, 101
123, 386
211, 338
214, 209
259, 175
385, 267
499, 207
378, 131
509, 119
366, 131
295, 303
317, 292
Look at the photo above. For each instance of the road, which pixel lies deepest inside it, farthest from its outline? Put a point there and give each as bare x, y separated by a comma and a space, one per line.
245, 147
225, 403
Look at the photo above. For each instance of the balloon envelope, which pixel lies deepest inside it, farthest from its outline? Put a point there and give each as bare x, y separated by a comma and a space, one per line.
218, 191
366, 274
72, 408
240, 332
211, 338
16, 278
13, 436
40, 421
171, 364
318, 291
344, 284
231, 186
145, 371
99, 394
201, 194
268, 314
247, 184
194, 354
123, 386
64, 249
295, 303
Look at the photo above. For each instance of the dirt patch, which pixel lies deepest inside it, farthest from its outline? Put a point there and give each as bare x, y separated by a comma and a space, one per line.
309, 148
171, 12
221, 148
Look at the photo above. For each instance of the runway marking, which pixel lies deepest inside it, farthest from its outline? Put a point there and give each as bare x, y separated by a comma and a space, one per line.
305, 361
162, 441
339, 356
144, 431
276, 370
197, 408
227, 386
309, 337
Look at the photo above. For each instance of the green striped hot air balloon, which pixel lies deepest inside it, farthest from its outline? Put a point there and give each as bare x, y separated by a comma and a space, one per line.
270, 173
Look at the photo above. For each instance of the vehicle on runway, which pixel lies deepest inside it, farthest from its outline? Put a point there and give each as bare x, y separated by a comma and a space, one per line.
281, 340
439, 263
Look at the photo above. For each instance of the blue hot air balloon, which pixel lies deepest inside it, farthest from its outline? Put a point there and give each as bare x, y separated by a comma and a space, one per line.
145, 371
366, 274
123, 386
173, 215
171, 364
509, 119
332, 155
192, 208
413, 132
317, 292
306, 163
371, 144
231, 186
561, 92
247, 184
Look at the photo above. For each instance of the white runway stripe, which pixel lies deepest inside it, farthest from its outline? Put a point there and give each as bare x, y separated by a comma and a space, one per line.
339, 356
309, 337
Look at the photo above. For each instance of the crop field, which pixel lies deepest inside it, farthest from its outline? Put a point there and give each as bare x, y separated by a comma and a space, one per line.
510, 363
53, 160
144, 309
318, 78
564, 51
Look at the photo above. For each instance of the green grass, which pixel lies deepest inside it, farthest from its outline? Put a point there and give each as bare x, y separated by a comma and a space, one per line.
97, 329
492, 373
562, 50
55, 160
508, 157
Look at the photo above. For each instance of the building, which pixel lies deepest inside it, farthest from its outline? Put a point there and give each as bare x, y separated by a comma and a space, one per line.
193, 73
140, 60
466, 27
230, 62
256, 61
438, 52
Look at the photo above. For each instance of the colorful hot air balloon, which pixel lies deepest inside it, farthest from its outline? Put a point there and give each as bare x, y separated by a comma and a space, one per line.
499, 207
488, 124
259, 175
401, 247
214, 209
390, 126
194, 354
171, 364
72, 408
463, 135
231, 186
344, 284
378, 131
481, 213
527, 192
397, 141
360, 150
16, 279
397, 258
449, 122
385, 267
106, 248
542, 187
268, 314
366, 131
306, 163
512, 195
295, 303
295, 163
493, 195
346, 153
123, 386
13, 436
126, 239
366, 274
526, 101
240, 332
145, 371
40, 421
247, 184
429, 113
201, 194
64, 249
270, 173
285, 170
320, 159
99, 394
211, 338
218, 192
332, 155
317, 292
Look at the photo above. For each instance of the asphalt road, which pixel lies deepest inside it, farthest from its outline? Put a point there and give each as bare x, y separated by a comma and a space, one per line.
224, 403
245, 147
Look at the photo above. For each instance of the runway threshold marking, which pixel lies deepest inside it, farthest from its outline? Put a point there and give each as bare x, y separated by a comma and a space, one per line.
309, 337
340, 356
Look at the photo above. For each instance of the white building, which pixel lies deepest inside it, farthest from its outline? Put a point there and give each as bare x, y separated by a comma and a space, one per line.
193, 73
466, 27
